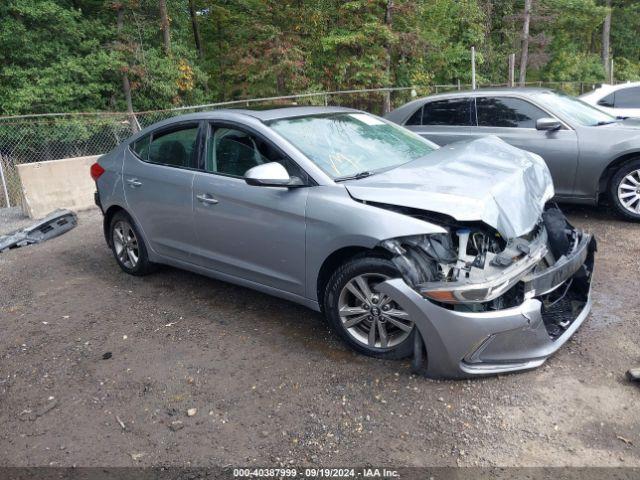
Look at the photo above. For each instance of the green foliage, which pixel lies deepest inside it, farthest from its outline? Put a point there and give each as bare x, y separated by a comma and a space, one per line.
69, 55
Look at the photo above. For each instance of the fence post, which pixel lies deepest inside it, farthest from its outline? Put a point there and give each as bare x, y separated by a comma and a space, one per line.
611, 71
512, 69
386, 101
4, 183
473, 68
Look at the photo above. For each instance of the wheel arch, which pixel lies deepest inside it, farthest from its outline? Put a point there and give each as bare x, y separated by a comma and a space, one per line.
337, 258
607, 174
106, 221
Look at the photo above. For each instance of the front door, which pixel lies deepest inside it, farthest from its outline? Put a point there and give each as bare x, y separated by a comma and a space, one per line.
514, 121
158, 177
253, 233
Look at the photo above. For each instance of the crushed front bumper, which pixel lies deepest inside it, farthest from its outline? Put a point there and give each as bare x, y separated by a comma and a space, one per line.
462, 344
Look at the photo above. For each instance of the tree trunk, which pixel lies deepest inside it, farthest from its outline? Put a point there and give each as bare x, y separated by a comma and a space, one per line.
196, 29
388, 20
525, 42
164, 19
606, 37
126, 86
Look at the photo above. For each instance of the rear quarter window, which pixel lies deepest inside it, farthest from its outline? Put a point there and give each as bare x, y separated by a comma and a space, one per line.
141, 147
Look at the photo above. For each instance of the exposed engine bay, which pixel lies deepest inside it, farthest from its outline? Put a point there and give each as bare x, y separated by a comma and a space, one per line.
473, 268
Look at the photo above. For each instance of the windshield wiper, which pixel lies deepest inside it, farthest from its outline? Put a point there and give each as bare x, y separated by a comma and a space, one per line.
606, 122
355, 176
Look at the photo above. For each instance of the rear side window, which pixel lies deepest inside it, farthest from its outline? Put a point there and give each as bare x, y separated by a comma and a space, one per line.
141, 147
416, 118
507, 112
628, 98
607, 101
175, 147
455, 111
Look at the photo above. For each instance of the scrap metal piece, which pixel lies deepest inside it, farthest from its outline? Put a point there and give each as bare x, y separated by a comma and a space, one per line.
56, 223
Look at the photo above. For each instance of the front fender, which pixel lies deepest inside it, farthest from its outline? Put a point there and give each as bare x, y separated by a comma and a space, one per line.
335, 221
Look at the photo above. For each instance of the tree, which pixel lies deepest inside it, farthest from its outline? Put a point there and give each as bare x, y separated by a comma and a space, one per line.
524, 56
196, 29
164, 20
126, 85
606, 34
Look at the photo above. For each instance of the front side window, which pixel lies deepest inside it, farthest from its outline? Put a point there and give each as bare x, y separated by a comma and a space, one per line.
345, 144
507, 112
455, 111
573, 109
628, 98
232, 152
175, 147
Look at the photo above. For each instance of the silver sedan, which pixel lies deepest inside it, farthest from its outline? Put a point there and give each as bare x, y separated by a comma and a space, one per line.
592, 155
450, 254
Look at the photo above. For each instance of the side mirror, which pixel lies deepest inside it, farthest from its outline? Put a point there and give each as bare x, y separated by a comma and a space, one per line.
548, 124
271, 174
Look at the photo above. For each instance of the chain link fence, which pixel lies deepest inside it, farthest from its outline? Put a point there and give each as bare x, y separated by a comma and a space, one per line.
36, 138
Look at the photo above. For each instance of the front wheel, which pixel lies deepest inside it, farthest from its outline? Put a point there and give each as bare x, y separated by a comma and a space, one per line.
370, 322
625, 190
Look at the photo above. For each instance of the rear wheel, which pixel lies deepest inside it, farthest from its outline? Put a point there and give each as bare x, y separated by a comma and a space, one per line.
128, 246
369, 321
625, 190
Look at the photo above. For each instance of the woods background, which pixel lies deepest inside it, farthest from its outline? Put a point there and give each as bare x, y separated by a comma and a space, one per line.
96, 55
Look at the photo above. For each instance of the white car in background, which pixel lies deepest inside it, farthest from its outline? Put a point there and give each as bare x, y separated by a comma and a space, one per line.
621, 100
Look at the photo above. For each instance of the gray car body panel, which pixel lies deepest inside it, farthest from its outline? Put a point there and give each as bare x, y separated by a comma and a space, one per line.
484, 179
578, 156
276, 240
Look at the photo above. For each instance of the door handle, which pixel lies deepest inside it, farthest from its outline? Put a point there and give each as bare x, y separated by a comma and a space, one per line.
206, 198
134, 182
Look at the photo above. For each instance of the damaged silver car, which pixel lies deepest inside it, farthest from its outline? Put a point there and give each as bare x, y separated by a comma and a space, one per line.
449, 254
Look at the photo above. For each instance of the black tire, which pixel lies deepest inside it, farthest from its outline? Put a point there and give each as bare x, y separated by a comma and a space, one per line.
353, 268
616, 181
143, 266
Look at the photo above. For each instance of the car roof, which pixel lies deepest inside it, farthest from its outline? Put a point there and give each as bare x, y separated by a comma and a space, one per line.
239, 114
606, 88
288, 112
491, 91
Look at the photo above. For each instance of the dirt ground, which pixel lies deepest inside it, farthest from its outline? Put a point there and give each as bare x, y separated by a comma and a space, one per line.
272, 386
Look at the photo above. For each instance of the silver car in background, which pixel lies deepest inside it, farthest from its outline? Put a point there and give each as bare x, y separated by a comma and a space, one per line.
450, 254
591, 155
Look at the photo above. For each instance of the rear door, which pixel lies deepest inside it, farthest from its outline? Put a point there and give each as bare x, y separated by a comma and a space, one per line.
514, 121
444, 121
253, 233
158, 178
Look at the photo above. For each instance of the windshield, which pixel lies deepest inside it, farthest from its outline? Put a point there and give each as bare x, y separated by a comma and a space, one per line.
348, 144
574, 109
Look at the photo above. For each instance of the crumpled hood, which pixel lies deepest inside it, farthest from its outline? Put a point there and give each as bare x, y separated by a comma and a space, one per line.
484, 179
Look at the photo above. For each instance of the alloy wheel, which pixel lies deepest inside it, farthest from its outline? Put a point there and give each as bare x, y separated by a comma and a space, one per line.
371, 318
629, 191
125, 244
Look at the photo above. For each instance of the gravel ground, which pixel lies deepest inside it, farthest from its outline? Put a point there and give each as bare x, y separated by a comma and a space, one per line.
269, 382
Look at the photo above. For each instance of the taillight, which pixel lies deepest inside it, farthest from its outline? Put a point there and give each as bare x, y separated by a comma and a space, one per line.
96, 171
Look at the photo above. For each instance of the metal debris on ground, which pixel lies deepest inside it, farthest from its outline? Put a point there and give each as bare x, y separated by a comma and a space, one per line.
633, 374
54, 224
